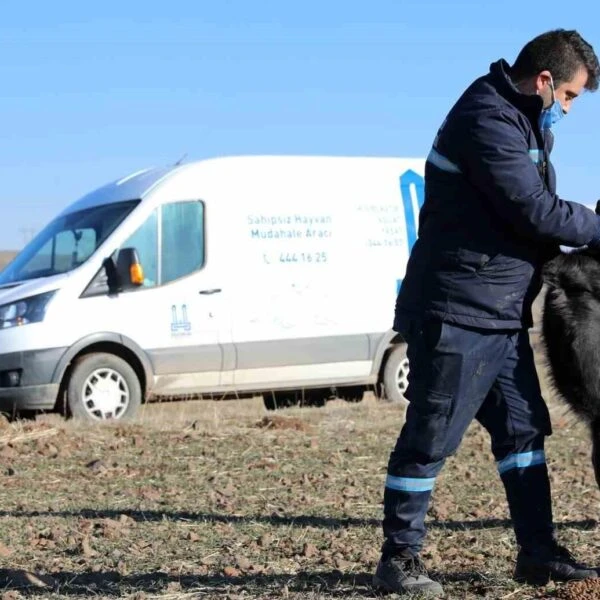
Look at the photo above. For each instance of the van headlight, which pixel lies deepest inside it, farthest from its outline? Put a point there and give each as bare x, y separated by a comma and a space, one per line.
27, 310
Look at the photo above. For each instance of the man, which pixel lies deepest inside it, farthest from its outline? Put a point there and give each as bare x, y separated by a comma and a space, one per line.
490, 221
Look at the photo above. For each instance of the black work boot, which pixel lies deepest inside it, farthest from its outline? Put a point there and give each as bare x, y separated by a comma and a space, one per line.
405, 574
553, 562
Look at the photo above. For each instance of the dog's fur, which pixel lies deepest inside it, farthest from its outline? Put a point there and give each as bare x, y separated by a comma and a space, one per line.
571, 336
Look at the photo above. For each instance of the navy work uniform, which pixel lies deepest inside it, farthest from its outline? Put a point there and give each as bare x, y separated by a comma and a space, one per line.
490, 220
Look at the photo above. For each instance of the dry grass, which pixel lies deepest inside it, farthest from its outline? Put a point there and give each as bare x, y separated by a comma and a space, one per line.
221, 499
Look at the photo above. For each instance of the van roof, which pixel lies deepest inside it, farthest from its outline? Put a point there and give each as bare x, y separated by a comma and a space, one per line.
132, 187
139, 184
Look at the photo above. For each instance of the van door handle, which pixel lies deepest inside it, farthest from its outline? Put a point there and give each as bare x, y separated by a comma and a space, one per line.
212, 291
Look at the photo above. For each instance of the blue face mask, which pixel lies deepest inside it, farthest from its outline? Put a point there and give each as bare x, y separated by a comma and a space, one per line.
554, 113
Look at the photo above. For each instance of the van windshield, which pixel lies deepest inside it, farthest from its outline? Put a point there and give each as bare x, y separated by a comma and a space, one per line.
66, 242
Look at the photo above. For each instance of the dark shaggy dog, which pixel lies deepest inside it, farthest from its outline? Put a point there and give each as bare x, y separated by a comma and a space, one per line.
571, 334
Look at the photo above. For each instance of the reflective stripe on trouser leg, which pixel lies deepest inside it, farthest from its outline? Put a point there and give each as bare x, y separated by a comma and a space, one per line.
521, 460
410, 484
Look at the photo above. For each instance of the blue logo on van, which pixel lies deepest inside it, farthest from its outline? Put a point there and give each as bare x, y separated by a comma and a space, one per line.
411, 185
180, 324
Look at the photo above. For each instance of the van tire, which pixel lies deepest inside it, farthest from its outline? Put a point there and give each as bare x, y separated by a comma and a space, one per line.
394, 376
102, 387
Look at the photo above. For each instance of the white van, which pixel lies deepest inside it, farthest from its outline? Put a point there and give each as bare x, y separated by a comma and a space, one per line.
262, 274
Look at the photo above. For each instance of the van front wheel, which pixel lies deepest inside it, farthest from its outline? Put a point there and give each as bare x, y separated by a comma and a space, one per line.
103, 387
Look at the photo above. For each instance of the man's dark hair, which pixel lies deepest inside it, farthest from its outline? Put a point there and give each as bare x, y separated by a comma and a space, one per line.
563, 53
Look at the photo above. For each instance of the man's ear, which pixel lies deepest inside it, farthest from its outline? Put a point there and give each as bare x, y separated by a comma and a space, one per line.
542, 79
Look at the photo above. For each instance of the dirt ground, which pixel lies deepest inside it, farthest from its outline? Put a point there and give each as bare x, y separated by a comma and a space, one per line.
224, 500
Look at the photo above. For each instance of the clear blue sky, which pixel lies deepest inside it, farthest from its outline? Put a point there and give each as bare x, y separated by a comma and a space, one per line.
90, 91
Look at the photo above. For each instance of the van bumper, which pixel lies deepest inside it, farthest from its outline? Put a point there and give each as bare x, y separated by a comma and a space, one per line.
26, 379
31, 397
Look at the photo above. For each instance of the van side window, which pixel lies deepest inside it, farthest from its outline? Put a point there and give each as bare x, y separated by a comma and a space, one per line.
182, 239
145, 241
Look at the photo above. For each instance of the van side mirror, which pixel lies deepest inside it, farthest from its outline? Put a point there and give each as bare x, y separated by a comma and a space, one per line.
126, 273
